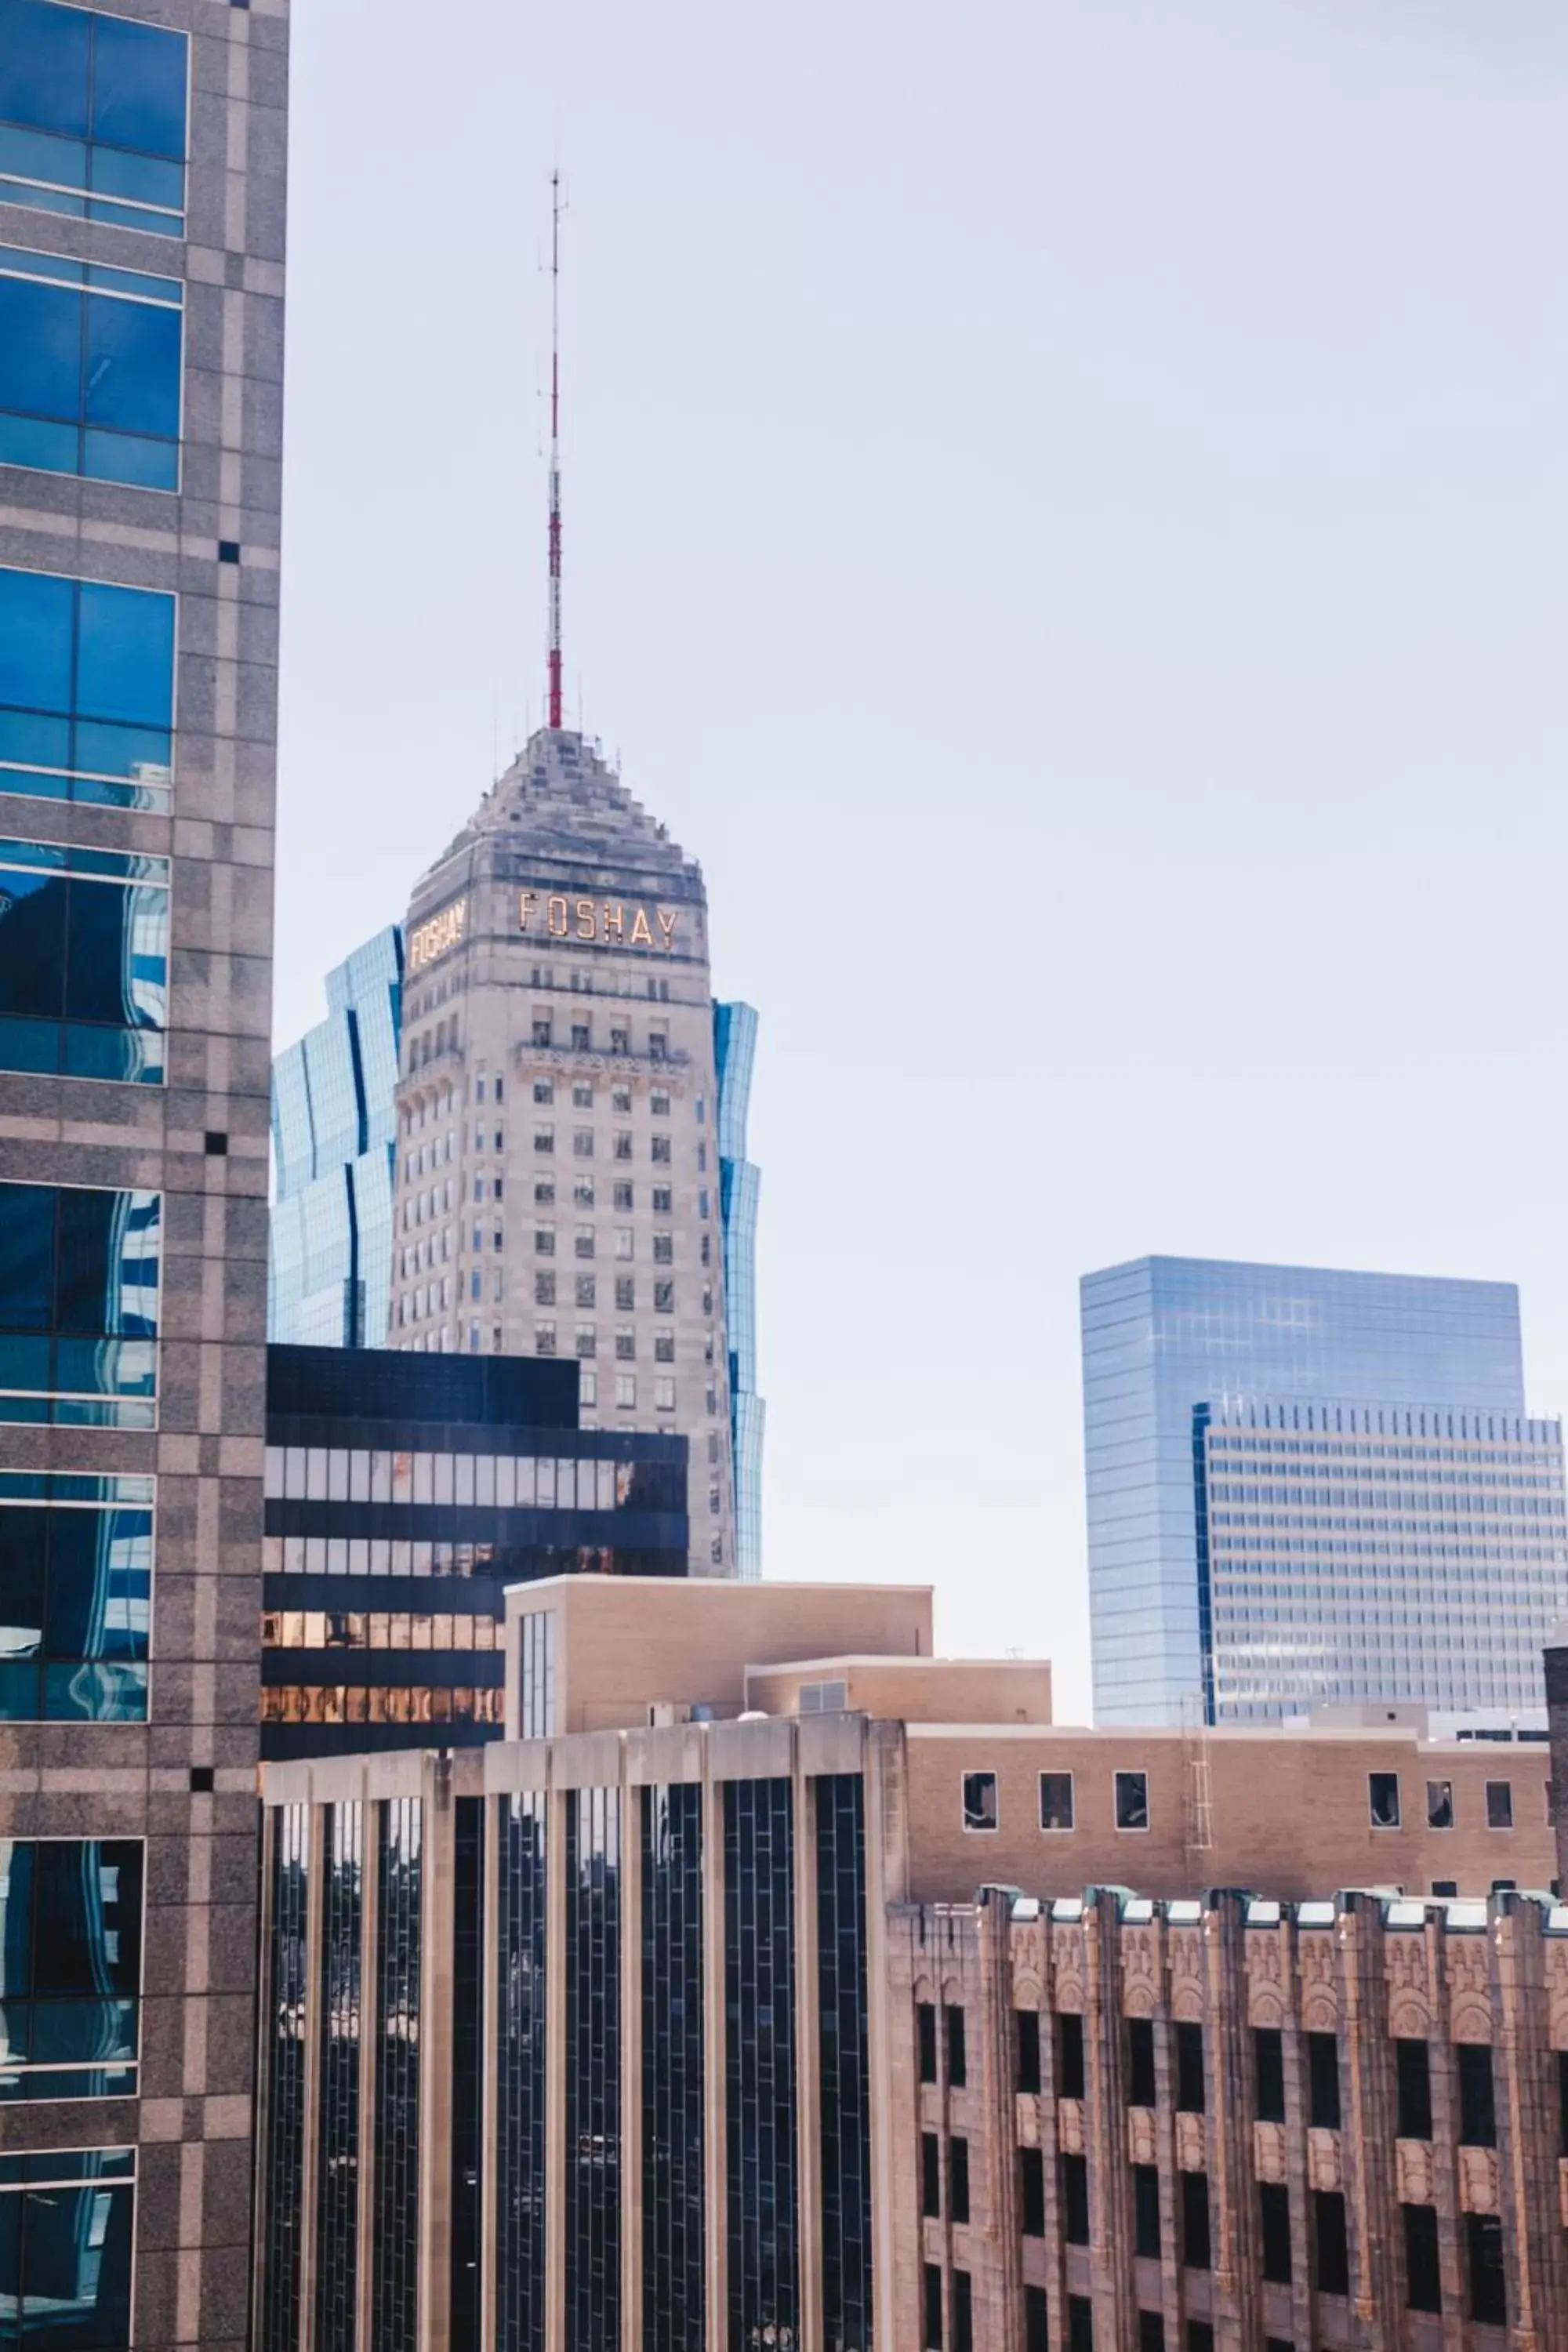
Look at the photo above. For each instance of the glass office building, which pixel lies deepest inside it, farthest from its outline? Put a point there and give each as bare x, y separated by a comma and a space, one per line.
1299, 1479
334, 1131
141, 281
740, 1180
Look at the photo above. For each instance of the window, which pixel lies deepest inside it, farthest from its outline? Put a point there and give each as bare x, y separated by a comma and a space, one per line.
1036, 2332
925, 2036
89, 370
1200, 2336
664, 1392
79, 1304
1383, 1800
1439, 1804
1191, 2093
661, 1152
1141, 2061
626, 1293
1562, 2103
1075, 2199
1080, 2323
1032, 2192
958, 2179
1146, 2211
622, 1144
1322, 2082
664, 1249
1195, 2220
93, 116
663, 1199
1268, 2060
86, 689
664, 1347
1489, 2291
1477, 2102
65, 2231
542, 1029
587, 1340
957, 2068
545, 1241
626, 1389
545, 1090
932, 2337
658, 1102
1423, 2265
1026, 2049
620, 1041
930, 2176
1056, 1801
582, 1037
664, 1298
545, 1139
1446, 1889
545, 1339
1413, 2080
545, 1290
70, 1931
582, 1142
75, 1583
1069, 2055
626, 1343
1274, 2213
1330, 2249
1150, 2331
84, 942
543, 1190
963, 2313
1500, 1804
980, 1800
1131, 1801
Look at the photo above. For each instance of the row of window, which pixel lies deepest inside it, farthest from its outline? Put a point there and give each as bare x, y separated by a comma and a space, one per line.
341, 1703
504, 1482
94, 116
661, 1148
583, 1097
376, 1629
422, 1208
982, 1802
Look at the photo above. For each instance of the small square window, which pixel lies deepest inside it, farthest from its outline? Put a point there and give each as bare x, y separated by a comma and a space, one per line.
1131, 1801
229, 550
1056, 1801
1383, 1800
980, 1800
216, 1144
1500, 1804
204, 1779
1445, 1889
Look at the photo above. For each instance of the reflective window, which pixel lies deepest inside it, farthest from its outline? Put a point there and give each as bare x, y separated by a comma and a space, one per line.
468, 2069
1131, 1801
89, 370
394, 2317
67, 2226
337, 2208
762, 2159
92, 116
286, 2016
672, 2063
70, 1968
520, 2078
78, 1305
87, 690
75, 1583
593, 2179
84, 949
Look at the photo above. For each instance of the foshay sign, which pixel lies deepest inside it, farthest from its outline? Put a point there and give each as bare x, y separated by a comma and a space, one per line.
433, 939
606, 922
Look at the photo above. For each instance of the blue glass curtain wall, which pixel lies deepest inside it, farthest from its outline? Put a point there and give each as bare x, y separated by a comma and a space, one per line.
84, 961
337, 2207
67, 2230
593, 2069
288, 2015
92, 116
394, 2291
519, 2095
87, 690
673, 2244
78, 1305
76, 1590
845, 2063
762, 2158
70, 1967
89, 370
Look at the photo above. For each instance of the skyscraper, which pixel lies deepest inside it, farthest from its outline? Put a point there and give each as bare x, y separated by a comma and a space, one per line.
740, 1182
1310, 1487
333, 1124
142, 218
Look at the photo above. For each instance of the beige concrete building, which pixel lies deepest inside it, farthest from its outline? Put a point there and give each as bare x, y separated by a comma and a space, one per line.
774, 1982
557, 1169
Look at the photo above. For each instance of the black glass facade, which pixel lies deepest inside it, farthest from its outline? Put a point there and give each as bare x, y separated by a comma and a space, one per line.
337, 2202
394, 2279
762, 2161
287, 2016
845, 2062
70, 1968
674, 2315
520, 2087
67, 2225
593, 2069
467, 2067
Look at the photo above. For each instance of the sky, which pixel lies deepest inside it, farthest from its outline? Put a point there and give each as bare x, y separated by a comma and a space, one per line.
1065, 512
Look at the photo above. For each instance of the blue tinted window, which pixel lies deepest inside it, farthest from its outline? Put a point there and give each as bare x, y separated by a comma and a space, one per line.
86, 689
84, 947
78, 1305
92, 116
70, 1967
90, 377
65, 2251
76, 1585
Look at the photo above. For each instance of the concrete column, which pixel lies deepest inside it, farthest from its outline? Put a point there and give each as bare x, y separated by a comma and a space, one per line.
1105, 2124
266, 2031
1527, 2130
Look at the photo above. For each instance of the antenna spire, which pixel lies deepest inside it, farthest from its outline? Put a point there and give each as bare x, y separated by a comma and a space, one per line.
554, 654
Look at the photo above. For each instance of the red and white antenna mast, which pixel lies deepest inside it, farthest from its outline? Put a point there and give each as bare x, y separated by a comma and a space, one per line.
554, 654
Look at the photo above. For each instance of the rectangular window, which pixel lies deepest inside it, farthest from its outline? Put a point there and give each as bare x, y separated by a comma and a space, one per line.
1413, 2075
626, 1391
1027, 2046
1200, 2336
958, 2180
1477, 2102
89, 370
930, 2176
1274, 2212
545, 1339
1489, 2289
663, 1392
1423, 2266
87, 690
1131, 1801
664, 1298
1324, 2082
1056, 1801
1069, 2055
1269, 2058
1075, 2199
963, 2313
1141, 2061
1192, 2096
1146, 2211
1330, 2247
67, 2226
932, 2337
980, 1800
1036, 2330
70, 1954
1383, 1800
1080, 2323
1439, 1804
925, 2036
1500, 1804
957, 2062
78, 1305
1150, 2331
76, 1596
1195, 2220
1445, 1889
1032, 2192
93, 116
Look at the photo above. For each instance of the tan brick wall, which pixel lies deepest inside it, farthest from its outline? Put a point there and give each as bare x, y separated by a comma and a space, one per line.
934, 1690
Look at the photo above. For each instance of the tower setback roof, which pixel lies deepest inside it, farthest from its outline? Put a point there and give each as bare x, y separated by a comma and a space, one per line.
562, 799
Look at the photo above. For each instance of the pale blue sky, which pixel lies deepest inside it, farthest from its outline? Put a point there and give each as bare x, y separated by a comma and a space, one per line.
1065, 518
